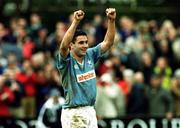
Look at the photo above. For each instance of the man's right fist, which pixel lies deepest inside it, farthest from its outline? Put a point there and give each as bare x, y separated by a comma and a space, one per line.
78, 15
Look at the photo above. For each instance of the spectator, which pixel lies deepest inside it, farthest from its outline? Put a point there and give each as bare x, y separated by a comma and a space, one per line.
126, 28
13, 63
50, 113
3, 62
47, 78
163, 42
176, 91
160, 100
126, 83
176, 49
35, 25
3, 33
90, 30
111, 96
100, 32
18, 91
27, 77
25, 42
55, 38
41, 41
6, 97
146, 66
163, 69
137, 99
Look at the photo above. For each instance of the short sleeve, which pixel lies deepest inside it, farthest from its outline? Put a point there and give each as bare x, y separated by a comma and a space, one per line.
61, 62
95, 52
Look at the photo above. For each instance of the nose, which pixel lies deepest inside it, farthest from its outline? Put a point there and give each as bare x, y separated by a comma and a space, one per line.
85, 44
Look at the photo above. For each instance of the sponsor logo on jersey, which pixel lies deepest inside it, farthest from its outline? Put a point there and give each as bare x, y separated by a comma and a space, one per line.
86, 76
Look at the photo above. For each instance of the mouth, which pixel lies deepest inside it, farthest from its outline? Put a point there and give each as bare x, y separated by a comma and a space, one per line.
83, 50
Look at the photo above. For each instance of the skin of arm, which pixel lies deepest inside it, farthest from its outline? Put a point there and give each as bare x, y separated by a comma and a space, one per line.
174, 88
110, 34
64, 46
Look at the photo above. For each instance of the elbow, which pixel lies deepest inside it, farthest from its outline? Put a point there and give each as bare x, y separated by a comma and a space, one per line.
63, 49
109, 42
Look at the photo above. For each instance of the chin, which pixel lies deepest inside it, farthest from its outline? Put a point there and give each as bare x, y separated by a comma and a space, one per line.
83, 53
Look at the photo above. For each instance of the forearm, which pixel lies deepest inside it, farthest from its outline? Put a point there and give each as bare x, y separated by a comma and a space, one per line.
67, 39
110, 34
69, 35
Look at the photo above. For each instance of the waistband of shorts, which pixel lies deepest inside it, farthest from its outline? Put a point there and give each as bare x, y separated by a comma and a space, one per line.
78, 107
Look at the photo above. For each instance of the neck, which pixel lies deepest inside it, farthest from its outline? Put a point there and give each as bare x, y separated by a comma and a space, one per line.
78, 58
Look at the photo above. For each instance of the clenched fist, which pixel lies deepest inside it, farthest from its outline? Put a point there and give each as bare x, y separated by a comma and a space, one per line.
78, 15
111, 13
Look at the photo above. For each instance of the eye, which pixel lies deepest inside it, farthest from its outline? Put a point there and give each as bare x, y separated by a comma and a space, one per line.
83, 42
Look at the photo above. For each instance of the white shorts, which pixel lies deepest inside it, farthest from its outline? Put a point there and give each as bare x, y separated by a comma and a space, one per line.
80, 117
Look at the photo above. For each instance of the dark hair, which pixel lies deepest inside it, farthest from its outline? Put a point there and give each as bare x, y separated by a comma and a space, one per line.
77, 33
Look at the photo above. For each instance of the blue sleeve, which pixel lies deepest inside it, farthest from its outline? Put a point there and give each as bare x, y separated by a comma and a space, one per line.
95, 52
61, 62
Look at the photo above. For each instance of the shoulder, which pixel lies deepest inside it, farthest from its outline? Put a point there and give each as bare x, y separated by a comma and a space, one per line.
48, 103
60, 57
97, 47
62, 62
61, 100
94, 51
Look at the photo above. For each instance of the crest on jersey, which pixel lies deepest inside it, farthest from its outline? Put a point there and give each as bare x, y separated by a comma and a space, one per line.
90, 63
76, 66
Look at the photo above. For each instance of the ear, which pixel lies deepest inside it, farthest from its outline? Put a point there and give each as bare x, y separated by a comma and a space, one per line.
71, 45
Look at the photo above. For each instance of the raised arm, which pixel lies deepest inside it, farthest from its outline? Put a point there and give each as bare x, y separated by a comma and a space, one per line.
64, 46
109, 37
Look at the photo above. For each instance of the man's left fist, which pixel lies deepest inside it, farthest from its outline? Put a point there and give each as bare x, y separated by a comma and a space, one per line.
111, 13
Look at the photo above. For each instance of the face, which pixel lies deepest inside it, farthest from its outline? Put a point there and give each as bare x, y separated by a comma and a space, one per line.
161, 62
155, 82
35, 18
80, 46
146, 58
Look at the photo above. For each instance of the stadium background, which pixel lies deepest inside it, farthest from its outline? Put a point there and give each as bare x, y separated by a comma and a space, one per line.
147, 46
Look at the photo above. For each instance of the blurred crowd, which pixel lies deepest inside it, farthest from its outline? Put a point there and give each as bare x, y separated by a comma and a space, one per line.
139, 76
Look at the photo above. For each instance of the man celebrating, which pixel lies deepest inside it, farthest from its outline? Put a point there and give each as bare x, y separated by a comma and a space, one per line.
76, 65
